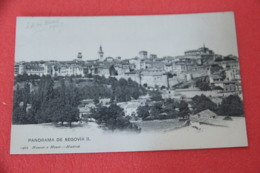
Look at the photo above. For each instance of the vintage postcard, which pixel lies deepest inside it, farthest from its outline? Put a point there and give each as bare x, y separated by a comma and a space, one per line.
126, 83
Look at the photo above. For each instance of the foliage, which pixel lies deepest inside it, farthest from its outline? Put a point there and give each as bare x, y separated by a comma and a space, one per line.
202, 85
201, 103
19, 116
50, 99
184, 110
143, 111
229, 58
120, 91
112, 71
160, 110
112, 117
156, 96
219, 59
231, 106
47, 104
215, 69
156, 109
124, 90
26, 78
218, 70
170, 106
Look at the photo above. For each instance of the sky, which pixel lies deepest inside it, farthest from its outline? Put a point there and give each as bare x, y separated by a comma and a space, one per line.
61, 38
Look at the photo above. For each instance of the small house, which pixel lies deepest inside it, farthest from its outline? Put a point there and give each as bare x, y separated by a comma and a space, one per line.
206, 114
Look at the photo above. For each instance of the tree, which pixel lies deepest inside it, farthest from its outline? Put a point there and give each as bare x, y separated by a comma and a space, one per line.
135, 93
54, 105
22, 78
156, 110
170, 106
42, 99
132, 83
231, 106
45, 89
215, 69
71, 114
26, 95
201, 103
218, 59
218, 70
156, 96
113, 117
202, 85
122, 82
55, 110
19, 116
18, 96
30, 117
112, 71
143, 111
183, 109
103, 114
96, 101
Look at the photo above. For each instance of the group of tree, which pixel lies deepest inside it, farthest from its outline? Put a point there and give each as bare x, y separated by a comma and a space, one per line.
26, 78
121, 90
167, 109
230, 106
124, 90
200, 103
58, 101
155, 95
48, 104
113, 117
202, 84
226, 58
218, 70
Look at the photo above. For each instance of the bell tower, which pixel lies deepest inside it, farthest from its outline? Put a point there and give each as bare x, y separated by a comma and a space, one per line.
100, 54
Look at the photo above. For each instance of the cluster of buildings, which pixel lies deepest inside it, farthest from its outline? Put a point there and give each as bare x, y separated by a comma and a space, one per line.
146, 69
150, 71
129, 108
228, 76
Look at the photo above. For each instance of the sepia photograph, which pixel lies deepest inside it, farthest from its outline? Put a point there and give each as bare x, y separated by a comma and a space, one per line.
126, 83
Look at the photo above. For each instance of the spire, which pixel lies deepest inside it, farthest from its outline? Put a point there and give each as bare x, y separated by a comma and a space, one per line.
100, 53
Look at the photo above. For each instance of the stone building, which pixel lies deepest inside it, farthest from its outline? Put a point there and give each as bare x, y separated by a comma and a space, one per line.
143, 54
37, 68
19, 68
70, 70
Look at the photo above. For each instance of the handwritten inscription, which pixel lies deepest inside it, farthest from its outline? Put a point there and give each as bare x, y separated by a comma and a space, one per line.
47, 24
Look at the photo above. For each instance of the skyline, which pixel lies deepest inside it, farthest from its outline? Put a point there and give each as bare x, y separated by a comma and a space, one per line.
61, 38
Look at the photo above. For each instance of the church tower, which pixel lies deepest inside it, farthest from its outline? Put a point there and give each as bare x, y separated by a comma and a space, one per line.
100, 54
